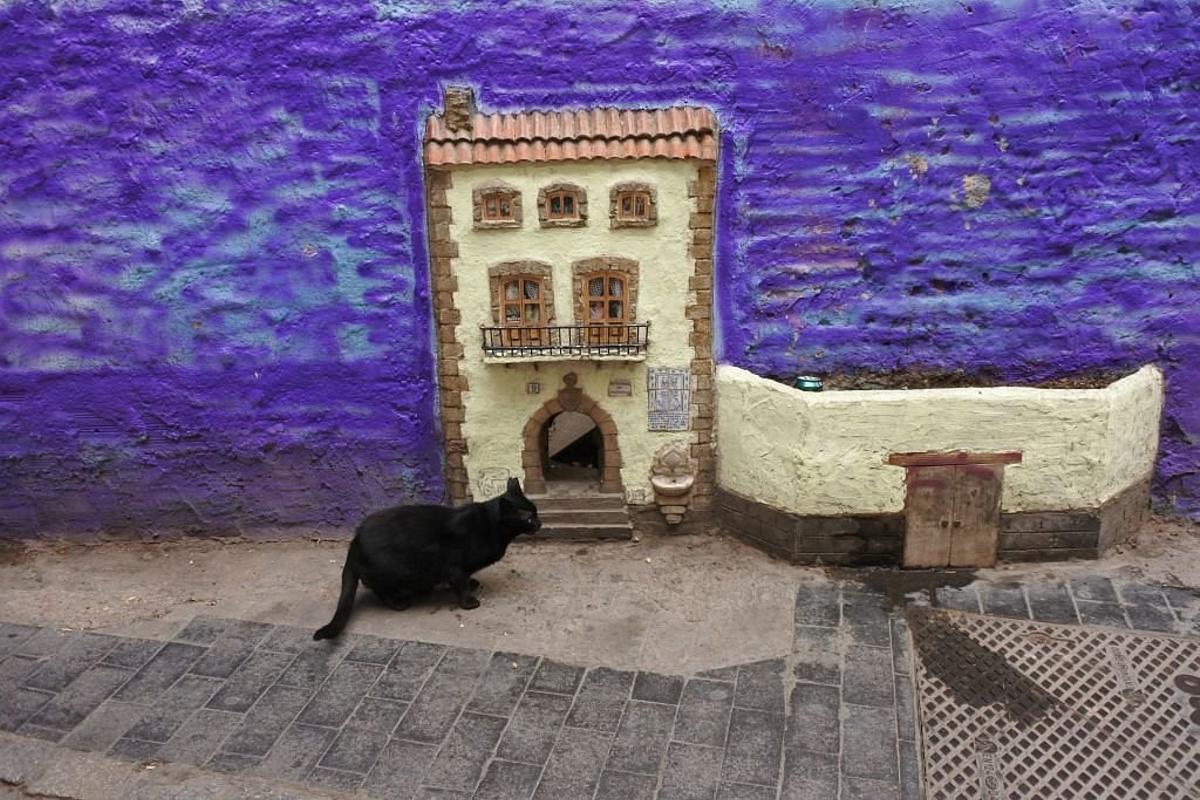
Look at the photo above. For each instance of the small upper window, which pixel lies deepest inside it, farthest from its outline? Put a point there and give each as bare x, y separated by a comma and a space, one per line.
562, 205
496, 205
633, 206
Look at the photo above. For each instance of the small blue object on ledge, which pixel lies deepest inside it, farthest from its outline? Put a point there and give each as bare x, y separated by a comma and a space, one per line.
807, 383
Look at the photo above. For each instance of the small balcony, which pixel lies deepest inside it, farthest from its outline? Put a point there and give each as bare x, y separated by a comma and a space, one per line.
610, 342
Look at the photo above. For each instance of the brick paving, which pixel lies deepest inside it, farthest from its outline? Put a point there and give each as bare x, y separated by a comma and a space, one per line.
833, 718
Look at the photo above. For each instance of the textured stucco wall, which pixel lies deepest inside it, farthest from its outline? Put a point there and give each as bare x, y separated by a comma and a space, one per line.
213, 279
825, 454
1134, 425
497, 407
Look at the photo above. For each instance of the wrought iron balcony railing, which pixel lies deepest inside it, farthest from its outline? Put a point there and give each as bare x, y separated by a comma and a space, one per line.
567, 341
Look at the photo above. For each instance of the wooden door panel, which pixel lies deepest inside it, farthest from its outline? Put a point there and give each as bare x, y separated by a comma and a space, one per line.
975, 529
928, 512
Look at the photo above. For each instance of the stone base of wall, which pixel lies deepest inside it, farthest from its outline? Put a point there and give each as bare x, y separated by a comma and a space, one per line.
1049, 535
649, 520
1123, 516
868, 540
873, 540
1061, 535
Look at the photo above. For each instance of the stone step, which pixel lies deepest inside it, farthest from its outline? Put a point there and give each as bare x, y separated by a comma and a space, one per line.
574, 532
594, 502
583, 516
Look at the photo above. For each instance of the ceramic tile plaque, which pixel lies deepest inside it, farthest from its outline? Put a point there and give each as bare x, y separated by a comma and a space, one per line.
620, 389
670, 395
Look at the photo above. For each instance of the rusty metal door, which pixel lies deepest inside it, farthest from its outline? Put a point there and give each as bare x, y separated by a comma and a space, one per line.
975, 527
952, 516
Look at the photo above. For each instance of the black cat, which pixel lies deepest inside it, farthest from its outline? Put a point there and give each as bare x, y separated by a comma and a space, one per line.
403, 552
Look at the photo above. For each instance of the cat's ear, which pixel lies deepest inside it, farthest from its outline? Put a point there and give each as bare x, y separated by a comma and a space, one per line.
514, 485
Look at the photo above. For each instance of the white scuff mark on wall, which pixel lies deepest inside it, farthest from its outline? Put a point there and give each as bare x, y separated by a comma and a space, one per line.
976, 189
491, 482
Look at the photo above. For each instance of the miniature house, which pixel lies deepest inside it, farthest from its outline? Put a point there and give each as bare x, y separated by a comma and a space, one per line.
571, 256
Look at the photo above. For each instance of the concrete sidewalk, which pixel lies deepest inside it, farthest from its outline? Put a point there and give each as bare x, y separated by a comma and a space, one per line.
277, 714
709, 671
678, 604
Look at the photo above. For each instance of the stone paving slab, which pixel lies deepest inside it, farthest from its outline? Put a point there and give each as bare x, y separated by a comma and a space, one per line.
1092, 601
378, 717
51, 771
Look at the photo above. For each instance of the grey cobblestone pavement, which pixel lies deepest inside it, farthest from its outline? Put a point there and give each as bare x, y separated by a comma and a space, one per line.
833, 718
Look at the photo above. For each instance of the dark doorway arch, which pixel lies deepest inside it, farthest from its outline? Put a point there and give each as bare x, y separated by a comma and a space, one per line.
534, 457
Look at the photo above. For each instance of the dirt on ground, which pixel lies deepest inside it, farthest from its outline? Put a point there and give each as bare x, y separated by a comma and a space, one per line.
1165, 552
668, 604
956, 379
662, 603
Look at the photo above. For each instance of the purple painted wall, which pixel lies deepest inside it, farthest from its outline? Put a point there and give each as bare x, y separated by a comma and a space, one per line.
213, 276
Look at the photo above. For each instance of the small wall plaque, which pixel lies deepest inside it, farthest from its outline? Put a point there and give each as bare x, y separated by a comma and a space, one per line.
533, 387
670, 396
620, 389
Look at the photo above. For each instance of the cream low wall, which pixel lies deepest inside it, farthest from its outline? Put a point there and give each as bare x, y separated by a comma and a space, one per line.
824, 453
496, 405
1133, 424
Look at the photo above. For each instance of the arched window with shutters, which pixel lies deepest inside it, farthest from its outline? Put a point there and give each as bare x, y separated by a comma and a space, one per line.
606, 292
522, 301
606, 299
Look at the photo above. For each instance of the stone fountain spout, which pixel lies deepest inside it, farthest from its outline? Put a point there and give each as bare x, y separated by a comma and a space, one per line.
672, 476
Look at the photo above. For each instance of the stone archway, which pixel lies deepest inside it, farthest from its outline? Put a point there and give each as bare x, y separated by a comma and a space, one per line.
570, 398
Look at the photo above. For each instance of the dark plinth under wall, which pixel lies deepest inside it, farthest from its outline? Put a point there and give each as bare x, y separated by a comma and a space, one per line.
1061, 535
878, 539
868, 540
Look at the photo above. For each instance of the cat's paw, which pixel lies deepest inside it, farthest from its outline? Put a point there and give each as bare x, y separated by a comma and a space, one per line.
469, 602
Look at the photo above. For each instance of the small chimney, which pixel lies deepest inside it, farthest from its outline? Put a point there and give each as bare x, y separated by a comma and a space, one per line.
458, 107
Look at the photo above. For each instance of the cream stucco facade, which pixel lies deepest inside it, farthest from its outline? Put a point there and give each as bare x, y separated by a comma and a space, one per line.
496, 405
825, 454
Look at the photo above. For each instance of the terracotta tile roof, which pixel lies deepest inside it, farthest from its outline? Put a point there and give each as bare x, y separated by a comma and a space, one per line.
676, 132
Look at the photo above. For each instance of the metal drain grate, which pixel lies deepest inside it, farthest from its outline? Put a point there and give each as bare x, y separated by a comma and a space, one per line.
1013, 710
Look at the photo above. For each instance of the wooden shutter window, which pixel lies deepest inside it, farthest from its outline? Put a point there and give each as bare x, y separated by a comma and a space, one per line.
606, 304
562, 205
522, 301
497, 207
522, 309
633, 206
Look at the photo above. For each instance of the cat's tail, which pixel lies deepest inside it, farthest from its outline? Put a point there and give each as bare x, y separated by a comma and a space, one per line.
345, 599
